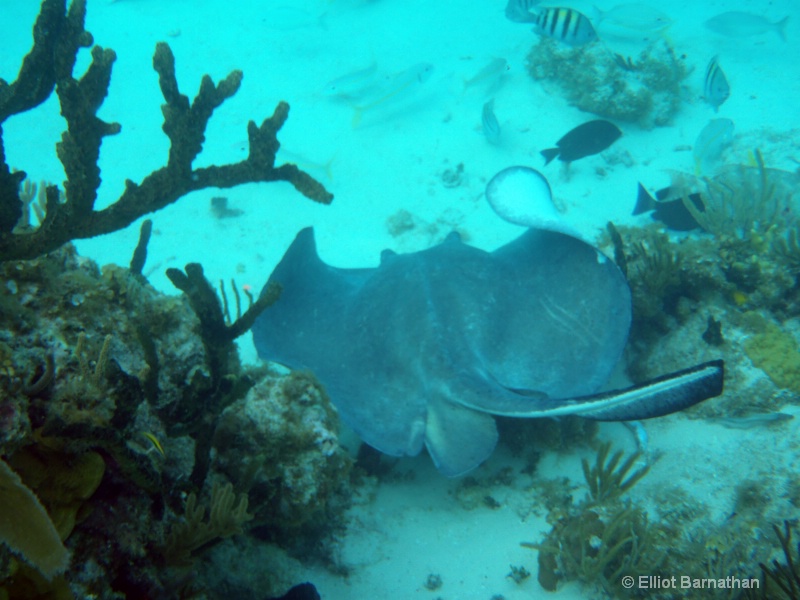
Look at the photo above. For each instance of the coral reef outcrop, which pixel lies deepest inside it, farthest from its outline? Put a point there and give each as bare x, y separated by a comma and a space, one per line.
114, 398
646, 91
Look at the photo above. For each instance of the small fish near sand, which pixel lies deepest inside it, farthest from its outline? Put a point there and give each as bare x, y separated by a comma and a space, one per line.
716, 88
752, 421
714, 138
392, 89
353, 85
634, 19
565, 25
489, 77
739, 24
590, 138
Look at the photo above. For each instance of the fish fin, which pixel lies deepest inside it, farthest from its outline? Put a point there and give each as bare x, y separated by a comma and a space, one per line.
665, 194
644, 201
329, 167
780, 27
458, 438
549, 154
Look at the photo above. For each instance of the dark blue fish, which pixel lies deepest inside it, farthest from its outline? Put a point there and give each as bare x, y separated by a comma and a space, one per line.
304, 591
669, 208
566, 25
587, 139
716, 89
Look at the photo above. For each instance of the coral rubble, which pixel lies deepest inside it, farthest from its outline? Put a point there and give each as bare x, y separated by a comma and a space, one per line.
646, 91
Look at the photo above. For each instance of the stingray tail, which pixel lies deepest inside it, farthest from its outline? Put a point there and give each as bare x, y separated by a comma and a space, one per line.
658, 397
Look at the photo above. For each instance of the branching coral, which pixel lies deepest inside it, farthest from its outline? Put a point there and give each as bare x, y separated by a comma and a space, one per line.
216, 334
602, 547
194, 532
785, 577
58, 36
788, 248
740, 202
601, 539
655, 272
606, 480
656, 275
218, 340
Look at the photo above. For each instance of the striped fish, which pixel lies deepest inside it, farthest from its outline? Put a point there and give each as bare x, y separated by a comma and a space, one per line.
716, 89
567, 25
491, 128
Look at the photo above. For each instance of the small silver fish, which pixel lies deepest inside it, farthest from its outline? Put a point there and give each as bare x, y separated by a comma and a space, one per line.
353, 84
640, 18
737, 23
567, 25
519, 11
489, 123
716, 88
393, 89
750, 421
490, 75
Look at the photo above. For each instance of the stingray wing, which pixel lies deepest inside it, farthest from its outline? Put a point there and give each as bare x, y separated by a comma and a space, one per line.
339, 324
557, 320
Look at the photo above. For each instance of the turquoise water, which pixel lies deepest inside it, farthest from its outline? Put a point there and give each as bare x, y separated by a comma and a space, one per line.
386, 112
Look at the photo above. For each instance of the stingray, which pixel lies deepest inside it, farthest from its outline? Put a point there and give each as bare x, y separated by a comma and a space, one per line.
423, 350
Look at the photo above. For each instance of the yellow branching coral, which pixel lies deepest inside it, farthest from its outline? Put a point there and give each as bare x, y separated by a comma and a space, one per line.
26, 528
193, 532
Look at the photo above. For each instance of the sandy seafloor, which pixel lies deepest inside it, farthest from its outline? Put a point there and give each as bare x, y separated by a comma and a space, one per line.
394, 160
